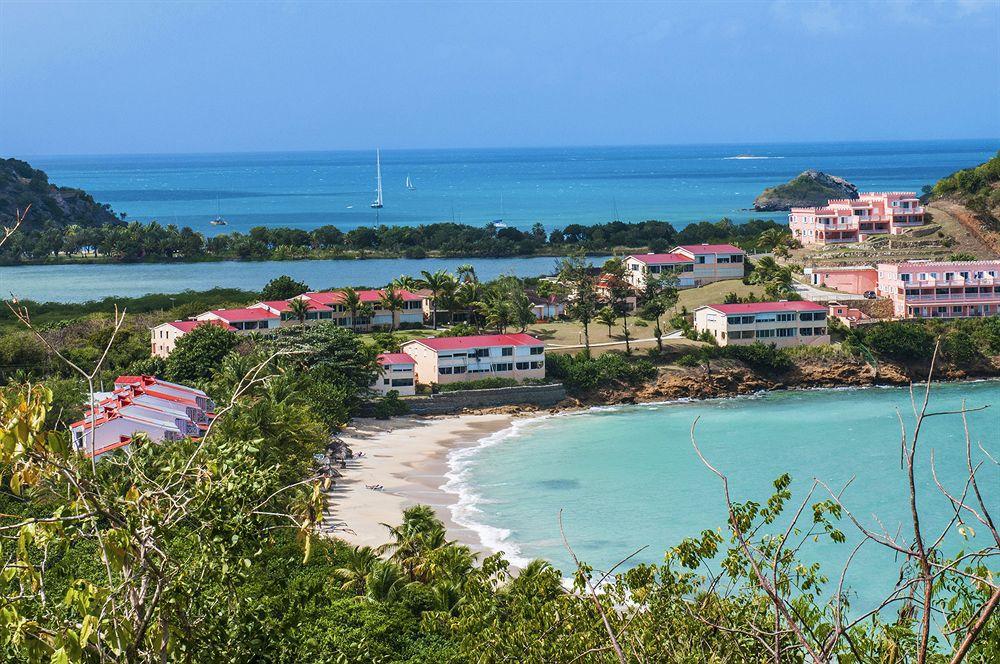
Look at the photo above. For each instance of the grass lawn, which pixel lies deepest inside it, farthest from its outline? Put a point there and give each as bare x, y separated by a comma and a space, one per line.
715, 293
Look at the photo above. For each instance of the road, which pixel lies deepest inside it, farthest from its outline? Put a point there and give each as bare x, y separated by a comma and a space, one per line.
817, 295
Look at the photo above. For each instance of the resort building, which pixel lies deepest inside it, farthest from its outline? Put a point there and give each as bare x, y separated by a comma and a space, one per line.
849, 315
411, 314
847, 220
142, 404
693, 264
397, 374
946, 289
250, 319
850, 279
457, 359
165, 336
782, 323
547, 308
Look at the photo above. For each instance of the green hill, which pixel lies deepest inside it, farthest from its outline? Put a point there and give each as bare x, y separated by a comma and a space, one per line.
21, 186
978, 189
808, 189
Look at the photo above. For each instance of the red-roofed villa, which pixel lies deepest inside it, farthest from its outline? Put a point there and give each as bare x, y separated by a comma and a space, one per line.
784, 323
457, 359
396, 374
693, 264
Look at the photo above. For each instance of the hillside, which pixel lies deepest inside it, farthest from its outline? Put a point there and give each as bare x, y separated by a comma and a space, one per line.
808, 189
21, 185
972, 195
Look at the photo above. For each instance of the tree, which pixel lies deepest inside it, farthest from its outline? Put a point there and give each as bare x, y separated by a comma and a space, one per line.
607, 316
406, 282
283, 288
576, 273
466, 273
436, 283
657, 298
392, 301
299, 307
199, 353
351, 302
619, 291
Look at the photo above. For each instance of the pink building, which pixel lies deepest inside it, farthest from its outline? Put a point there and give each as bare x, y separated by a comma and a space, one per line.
849, 316
948, 289
781, 323
846, 220
458, 359
851, 279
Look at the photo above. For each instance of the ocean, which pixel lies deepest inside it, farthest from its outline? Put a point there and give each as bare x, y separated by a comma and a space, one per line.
553, 186
626, 477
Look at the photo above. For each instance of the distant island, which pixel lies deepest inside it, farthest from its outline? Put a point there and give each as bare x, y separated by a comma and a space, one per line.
51, 206
808, 189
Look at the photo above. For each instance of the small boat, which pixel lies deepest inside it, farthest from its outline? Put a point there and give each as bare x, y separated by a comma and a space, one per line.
377, 203
409, 183
498, 223
218, 221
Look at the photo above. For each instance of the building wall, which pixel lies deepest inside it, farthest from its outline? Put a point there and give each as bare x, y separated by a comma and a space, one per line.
948, 289
744, 334
396, 373
854, 280
110, 432
542, 396
430, 362
164, 339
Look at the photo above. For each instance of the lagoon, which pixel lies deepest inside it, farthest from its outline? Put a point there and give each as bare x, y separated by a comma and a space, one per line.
80, 283
628, 476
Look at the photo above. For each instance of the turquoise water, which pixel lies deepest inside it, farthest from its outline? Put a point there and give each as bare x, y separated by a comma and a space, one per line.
79, 283
554, 186
627, 477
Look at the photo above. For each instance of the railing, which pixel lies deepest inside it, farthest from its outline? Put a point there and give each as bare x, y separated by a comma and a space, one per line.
953, 297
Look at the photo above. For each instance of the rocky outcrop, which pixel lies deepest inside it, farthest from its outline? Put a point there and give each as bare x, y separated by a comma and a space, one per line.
21, 186
808, 189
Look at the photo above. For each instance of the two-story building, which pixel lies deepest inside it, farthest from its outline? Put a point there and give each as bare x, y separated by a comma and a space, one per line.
165, 335
456, 359
847, 220
784, 323
411, 313
692, 264
244, 320
941, 289
396, 373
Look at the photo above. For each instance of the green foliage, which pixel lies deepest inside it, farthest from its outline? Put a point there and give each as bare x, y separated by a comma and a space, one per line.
976, 188
283, 288
459, 330
390, 406
199, 354
580, 373
765, 358
479, 384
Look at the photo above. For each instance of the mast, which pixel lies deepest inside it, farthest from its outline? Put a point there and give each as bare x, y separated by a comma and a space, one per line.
378, 179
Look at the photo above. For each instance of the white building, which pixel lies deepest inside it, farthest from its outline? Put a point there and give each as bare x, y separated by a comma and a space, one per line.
457, 359
693, 265
781, 323
397, 373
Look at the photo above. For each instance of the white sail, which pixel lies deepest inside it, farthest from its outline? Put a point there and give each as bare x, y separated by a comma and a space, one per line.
378, 180
409, 183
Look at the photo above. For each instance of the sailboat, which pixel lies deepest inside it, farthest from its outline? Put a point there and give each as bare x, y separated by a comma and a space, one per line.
409, 183
218, 221
377, 203
498, 223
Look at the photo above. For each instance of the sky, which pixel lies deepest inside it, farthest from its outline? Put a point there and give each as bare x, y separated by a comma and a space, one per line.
147, 77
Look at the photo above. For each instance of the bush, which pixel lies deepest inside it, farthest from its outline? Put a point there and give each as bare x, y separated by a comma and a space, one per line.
583, 373
283, 288
480, 384
688, 360
389, 406
900, 340
765, 358
459, 330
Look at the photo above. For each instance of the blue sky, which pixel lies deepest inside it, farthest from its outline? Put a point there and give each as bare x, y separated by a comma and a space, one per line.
213, 77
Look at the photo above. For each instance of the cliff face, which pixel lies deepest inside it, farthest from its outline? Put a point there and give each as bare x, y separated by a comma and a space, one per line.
21, 185
808, 189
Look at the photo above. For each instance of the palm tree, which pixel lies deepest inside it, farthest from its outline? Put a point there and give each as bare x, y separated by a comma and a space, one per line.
607, 316
469, 295
351, 302
466, 273
436, 283
357, 566
385, 582
392, 301
299, 307
405, 282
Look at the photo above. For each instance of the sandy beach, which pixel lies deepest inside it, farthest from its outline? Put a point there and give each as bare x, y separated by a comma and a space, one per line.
408, 456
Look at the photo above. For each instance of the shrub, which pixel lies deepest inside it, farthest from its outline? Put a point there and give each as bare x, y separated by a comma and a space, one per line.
900, 340
583, 373
765, 358
481, 384
390, 405
459, 330
688, 360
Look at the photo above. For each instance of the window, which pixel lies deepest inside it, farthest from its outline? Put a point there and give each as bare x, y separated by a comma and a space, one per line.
504, 366
819, 315
481, 352
701, 259
385, 381
537, 365
733, 320
444, 371
765, 334
785, 332
723, 259
819, 331
805, 331
506, 352
765, 318
402, 382
785, 317
537, 350
521, 366
459, 370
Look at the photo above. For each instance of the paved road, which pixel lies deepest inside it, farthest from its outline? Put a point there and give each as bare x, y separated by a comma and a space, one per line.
677, 334
815, 294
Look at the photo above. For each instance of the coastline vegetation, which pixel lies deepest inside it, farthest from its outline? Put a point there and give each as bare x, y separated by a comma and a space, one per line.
976, 188
55, 243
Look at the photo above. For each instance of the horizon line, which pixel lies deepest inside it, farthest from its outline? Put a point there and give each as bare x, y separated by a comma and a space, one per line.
487, 147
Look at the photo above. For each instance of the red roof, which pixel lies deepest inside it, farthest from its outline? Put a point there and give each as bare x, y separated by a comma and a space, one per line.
286, 305
656, 259
239, 315
766, 307
188, 325
698, 249
479, 341
395, 358
336, 297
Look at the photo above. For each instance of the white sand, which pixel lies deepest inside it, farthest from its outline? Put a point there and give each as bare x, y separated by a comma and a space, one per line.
409, 457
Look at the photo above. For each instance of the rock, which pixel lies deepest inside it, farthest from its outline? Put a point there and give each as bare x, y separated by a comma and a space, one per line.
809, 189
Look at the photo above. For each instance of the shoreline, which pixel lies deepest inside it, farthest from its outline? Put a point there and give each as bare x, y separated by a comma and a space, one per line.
410, 456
